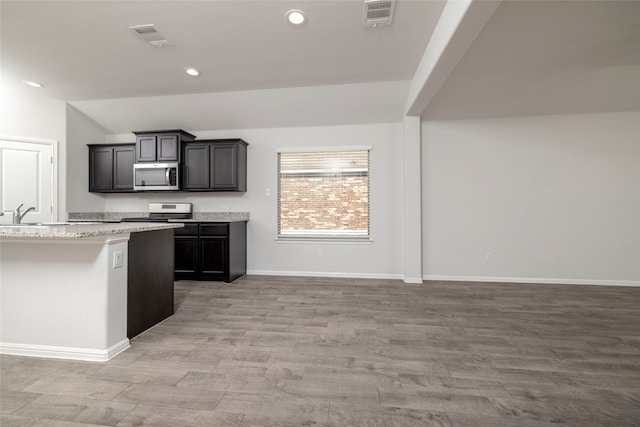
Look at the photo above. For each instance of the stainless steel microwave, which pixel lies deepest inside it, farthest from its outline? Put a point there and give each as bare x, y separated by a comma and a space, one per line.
156, 177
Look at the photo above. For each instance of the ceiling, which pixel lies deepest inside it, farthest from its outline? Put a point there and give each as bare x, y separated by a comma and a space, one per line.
547, 57
83, 50
531, 58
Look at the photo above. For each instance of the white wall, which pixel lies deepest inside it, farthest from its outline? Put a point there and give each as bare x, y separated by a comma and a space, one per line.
81, 130
331, 105
549, 197
34, 117
381, 258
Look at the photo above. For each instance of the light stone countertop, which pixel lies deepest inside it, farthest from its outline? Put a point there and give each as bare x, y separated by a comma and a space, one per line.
219, 217
80, 230
197, 216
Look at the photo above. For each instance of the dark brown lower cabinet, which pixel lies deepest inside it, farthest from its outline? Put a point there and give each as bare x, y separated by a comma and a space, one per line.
149, 279
211, 251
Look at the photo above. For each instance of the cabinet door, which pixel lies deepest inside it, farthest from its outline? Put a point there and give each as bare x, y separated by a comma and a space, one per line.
186, 257
224, 172
213, 257
123, 159
100, 169
195, 172
146, 149
168, 148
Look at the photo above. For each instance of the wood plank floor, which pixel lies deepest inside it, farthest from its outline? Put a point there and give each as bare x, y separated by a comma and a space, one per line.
285, 351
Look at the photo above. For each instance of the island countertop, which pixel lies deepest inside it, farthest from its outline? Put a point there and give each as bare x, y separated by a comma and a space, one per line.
80, 230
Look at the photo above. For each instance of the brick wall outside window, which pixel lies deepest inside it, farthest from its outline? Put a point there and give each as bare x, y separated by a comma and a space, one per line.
324, 203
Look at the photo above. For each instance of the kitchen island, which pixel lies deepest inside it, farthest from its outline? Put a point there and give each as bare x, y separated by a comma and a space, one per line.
75, 291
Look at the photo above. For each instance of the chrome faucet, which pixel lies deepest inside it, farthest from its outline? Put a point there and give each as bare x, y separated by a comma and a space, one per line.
17, 216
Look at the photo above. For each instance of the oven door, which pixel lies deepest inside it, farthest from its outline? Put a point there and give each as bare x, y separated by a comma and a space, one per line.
156, 177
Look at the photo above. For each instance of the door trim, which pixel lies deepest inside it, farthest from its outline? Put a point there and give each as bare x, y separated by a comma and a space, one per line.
54, 167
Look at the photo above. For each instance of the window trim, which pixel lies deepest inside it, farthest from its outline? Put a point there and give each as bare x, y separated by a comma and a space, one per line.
316, 149
319, 238
329, 241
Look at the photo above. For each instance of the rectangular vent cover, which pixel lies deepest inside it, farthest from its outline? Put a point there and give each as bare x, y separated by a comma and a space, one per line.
150, 34
378, 12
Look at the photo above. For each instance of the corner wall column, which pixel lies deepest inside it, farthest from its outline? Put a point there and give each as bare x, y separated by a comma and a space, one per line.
412, 200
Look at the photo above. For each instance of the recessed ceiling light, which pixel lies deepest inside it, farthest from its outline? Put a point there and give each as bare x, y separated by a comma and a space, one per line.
32, 84
192, 71
296, 17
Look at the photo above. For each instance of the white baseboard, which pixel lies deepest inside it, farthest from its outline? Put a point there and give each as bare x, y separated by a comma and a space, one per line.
418, 280
326, 274
533, 280
56, 352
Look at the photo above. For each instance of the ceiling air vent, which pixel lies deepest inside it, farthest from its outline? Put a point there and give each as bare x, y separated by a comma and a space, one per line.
151, 35
378, 12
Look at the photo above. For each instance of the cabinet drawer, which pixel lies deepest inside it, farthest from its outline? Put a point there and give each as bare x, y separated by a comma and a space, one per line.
188, 230
214, 229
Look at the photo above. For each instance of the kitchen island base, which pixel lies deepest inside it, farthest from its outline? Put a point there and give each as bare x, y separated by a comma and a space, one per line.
82, 291
63, 298
150, 280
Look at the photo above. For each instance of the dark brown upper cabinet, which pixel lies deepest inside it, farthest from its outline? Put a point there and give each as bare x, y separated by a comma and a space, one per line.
160, 146
111, 168
215, 165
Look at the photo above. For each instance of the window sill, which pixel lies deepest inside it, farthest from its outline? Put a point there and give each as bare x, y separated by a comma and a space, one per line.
326, 240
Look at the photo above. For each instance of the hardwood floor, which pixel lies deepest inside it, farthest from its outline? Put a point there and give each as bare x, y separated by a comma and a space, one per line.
285, 351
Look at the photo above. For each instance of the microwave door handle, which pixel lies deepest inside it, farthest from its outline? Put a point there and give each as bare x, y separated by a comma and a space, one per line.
167, 175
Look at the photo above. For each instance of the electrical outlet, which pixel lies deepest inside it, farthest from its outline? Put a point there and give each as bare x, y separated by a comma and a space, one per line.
267, 192
488, 256
320, 252
117, 259
225, 209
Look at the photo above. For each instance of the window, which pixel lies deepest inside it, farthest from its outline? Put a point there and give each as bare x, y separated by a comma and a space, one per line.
323, 194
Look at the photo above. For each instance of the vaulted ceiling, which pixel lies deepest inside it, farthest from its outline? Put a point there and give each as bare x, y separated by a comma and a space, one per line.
83, 50
531, 57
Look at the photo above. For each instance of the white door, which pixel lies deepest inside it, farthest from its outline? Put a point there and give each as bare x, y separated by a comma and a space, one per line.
27, 177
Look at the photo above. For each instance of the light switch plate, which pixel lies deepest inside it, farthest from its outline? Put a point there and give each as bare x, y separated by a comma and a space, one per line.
117, 259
